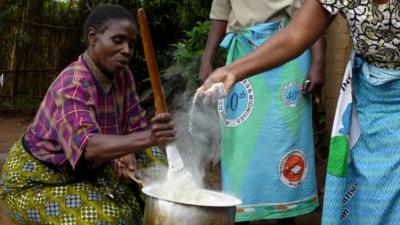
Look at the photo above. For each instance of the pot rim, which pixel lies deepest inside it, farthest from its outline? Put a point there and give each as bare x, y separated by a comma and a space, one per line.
226, 200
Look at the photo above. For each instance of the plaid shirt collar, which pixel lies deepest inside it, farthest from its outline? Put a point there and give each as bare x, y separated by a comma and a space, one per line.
102, 79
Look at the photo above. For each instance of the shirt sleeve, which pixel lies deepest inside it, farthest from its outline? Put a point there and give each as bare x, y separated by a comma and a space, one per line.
294, 7
332, 6
220, 10
75, 120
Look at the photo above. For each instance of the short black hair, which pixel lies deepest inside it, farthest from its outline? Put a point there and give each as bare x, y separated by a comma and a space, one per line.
102, 14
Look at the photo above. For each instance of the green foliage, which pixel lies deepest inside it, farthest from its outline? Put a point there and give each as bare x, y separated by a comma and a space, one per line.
23, 22
183, 13
20, 104
26, 102
5, 13
182, 75
24, 38
187, 55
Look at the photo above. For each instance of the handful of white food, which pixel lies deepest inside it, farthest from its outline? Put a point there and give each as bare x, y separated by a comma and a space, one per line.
213, 94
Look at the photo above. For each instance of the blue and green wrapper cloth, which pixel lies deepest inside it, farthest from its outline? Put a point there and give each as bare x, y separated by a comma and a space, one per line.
267, 136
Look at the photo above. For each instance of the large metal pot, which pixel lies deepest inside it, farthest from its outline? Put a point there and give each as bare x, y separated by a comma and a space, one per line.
161, 211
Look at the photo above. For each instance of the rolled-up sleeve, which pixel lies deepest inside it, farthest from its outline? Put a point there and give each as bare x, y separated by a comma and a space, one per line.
220, 10
333, 7
75, 120
294, 7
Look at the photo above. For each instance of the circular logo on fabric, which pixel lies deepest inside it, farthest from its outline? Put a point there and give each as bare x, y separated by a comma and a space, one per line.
236, 108
291, 95
293, 168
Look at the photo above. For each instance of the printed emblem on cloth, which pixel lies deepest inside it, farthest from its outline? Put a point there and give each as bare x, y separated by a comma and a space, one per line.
293, 168
236, 108
290, 94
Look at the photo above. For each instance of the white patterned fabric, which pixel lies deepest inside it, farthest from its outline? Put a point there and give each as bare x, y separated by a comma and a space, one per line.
374, 28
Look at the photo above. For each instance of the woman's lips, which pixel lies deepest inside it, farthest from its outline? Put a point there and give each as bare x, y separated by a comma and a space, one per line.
123, 62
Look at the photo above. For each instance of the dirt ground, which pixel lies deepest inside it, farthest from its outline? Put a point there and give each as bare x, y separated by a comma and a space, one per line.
11, 128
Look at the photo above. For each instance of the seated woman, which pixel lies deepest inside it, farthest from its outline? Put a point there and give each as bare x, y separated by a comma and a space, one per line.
60, 171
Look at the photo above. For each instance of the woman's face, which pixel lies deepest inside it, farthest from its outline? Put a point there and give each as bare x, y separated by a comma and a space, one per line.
112, 49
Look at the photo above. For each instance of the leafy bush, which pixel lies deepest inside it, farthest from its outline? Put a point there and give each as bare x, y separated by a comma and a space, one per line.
182, 76
187, 55
47, 34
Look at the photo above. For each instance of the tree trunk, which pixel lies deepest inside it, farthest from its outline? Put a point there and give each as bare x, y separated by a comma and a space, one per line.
338, 49
12, 64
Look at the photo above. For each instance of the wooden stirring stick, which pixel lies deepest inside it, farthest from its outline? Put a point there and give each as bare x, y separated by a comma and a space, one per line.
158, 92
175, 162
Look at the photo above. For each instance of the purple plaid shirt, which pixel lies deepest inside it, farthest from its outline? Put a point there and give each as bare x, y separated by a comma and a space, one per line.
80, 103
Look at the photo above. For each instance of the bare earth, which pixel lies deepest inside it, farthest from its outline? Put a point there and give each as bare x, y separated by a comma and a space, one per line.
11, 128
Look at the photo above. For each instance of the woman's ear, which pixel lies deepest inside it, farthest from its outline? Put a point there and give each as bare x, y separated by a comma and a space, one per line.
92, 36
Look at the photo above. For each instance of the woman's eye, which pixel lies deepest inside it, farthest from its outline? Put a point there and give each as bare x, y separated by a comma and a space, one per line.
117, 40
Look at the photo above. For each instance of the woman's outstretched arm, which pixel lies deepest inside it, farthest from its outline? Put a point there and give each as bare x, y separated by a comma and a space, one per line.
305, 28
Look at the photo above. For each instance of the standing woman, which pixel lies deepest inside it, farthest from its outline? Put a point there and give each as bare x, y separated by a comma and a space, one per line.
364, 187
60, 171
267, 145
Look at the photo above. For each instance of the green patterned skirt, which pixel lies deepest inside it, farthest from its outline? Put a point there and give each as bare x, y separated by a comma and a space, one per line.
34, 193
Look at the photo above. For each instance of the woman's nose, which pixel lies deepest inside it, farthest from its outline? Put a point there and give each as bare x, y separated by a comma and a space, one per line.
126, 49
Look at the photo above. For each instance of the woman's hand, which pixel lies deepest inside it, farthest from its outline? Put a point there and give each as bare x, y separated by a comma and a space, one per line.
162, 129
218, 85
105, 147
312, 83
314, 79
124, 165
